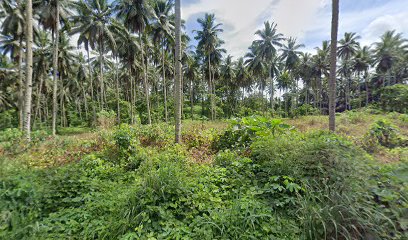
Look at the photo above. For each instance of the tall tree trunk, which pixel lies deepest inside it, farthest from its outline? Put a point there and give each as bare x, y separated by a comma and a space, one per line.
210, 88
117, 89
132, 97
20, 86
92, 89
38, 104
102, 88
29, 69
271, 89
178, 87
333, 58
367, 88
55, 71
347, 93
145, 83
164, 85
85, 102
192, 99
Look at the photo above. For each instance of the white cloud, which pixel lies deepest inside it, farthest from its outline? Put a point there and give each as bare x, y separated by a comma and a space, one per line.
243, 18
307, 20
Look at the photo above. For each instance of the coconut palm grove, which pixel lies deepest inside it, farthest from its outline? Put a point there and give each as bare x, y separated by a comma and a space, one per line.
119, 121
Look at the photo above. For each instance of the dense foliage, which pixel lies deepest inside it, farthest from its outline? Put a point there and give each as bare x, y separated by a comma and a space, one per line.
140, 185
123, 62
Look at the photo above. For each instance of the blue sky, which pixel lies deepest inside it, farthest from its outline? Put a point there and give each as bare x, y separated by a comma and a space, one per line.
307, 20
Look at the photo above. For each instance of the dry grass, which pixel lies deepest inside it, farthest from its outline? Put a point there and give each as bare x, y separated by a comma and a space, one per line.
354, 126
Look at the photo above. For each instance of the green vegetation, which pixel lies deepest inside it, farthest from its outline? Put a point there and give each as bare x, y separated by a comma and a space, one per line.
263, 179
111, 138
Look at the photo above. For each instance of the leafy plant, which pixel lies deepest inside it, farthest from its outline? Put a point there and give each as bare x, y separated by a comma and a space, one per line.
242, 132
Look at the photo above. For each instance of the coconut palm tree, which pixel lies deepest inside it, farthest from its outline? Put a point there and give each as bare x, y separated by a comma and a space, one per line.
290, 54
135, 15
305, 72
208, 42
362, 62
128, 50
29, 69
162, 29
178, 85
321, 67
96, 28
386, 52
51, 14
42, 57
348, 46
266, 49
13, 27
333, 58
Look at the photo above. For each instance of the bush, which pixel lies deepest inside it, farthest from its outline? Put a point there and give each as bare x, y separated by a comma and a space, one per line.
242, 132
336, 200
306, 110
383, 133
395, 98
106, 119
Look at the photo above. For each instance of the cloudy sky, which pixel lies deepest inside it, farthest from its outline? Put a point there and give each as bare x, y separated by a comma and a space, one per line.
307, 20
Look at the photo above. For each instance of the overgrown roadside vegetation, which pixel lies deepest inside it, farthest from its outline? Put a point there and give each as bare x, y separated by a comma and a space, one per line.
250, 178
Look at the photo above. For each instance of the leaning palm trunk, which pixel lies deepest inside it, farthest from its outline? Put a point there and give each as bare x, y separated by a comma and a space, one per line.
29, 70
55, 72
366, 85
145, 83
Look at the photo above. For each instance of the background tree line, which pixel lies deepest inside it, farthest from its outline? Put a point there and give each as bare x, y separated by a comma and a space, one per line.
123, 65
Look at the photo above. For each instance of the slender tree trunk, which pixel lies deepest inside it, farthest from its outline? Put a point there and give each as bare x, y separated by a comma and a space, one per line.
272, 90
38, 104
92, 89
333, 56
347, 93
192, 99
132, 97
210, 88
101, 83
117, 90
367, 88
145, 83
21, 86
55, 71
358, 89
178, 87
85, 102
29, 69
164, 84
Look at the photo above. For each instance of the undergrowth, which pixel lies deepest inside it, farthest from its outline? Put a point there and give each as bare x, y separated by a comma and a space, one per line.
263, 180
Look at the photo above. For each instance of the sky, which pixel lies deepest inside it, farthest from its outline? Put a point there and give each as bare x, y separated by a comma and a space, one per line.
307, 20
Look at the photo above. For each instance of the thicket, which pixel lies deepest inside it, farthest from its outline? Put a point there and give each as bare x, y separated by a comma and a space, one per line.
266, 181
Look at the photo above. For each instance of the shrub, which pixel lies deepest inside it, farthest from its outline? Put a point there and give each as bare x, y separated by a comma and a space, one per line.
106, 119
395, 98
383, 133
242, 132
306, 110
336, 201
